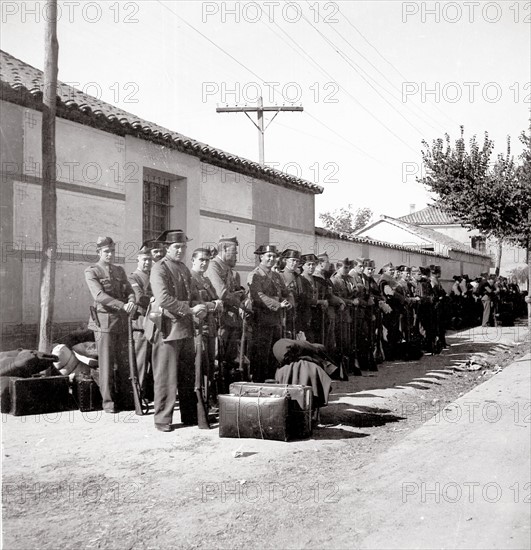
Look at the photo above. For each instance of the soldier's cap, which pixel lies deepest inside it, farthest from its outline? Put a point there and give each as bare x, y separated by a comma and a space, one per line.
485, 275
402, 267
359, 261
389, 264
424, 270
291, 253
263, 248
322, 256
206, 252
435, 269
103, 242
173, 236
213, 251
309, 258
457, 277
345, 262
145, 249
231, 239
367, 262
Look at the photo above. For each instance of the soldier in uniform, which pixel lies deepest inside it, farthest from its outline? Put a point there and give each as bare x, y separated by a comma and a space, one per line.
226, 283
292, 279
375, 300
344, 288
391, 320
114, 300
269, 297
310, 316
325, 291
139, 280
202, 287
361, 303
424, 320
439, 304
173, 351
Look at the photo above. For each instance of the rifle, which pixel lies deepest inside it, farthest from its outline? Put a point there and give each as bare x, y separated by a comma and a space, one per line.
200, 386
343, 363
284, 330
243, 368
379, 356
141, 403
355, 369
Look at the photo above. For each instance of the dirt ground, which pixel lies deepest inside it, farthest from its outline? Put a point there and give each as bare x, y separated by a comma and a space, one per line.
94, 480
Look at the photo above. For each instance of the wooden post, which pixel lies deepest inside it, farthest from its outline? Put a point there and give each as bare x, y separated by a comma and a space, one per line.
49, 196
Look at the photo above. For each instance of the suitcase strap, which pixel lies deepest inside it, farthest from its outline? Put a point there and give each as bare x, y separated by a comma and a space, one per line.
258, 413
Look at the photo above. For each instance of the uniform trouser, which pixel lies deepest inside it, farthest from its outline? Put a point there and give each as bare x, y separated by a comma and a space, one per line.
144, 351
262, 359
174, 370
115, 386
391, 322
487, 303
229, 340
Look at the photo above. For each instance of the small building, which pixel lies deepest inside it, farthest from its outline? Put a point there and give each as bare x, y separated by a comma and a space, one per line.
461, 258
437, 219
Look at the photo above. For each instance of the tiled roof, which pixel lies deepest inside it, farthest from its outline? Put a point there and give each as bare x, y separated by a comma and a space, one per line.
431, 215
322, 232
431, 235
22, 84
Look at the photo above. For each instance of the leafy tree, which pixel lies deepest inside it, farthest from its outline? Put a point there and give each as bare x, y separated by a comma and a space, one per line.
494, 197
346, 220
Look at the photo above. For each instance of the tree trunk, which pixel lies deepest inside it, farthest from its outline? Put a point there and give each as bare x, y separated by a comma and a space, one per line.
49, 196
499, 251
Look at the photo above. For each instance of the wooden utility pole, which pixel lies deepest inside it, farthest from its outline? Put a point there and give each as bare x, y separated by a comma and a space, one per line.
259, 110
49, 195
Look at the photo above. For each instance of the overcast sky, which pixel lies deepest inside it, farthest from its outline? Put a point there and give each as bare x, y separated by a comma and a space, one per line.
375, 78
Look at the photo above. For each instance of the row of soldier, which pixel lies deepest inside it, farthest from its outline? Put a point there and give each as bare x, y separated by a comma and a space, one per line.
360, 318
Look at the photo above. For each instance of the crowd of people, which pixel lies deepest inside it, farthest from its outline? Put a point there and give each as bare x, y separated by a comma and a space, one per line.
360, 317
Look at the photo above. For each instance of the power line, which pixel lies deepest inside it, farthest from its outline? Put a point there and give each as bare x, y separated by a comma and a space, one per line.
255, 74
336, 49
389, 62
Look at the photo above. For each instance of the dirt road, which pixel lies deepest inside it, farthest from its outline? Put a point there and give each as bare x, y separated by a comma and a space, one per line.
92, 480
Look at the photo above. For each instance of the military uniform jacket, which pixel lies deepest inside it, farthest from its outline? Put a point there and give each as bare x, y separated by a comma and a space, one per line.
390, 291
309, 291
325, 291
424, 291
142, 289
267, 291
343, 286
110, 289
361, 292
171, 283
226, 283
203, 288
301, 306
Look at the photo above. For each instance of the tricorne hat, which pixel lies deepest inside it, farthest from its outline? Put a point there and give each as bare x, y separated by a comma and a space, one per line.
309, 258
367, 262
346, 262
207, 252
173, 236
230, 239
103, 242
291, 253
263, 248
145, 248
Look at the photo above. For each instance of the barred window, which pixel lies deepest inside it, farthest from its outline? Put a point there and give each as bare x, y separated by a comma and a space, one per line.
156, 210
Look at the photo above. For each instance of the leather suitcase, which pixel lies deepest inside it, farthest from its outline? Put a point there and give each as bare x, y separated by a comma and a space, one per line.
39, 395
299, 404
5, 393
87, 393
255, 417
